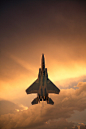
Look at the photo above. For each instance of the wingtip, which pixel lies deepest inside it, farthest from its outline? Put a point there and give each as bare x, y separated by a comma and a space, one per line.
26, 90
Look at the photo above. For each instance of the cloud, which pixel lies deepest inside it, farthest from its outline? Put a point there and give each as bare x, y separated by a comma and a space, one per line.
7, 107
23, 119
38, 115
70, 82
54, 124
78, 117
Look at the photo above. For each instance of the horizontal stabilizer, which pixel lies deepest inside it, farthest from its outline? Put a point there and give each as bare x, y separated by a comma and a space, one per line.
35, 101
50, 101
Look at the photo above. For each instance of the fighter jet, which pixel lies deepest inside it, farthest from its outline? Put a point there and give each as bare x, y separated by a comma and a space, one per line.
42, 86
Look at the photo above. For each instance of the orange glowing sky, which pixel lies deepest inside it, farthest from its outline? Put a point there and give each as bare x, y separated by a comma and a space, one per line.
19, 72
61, 37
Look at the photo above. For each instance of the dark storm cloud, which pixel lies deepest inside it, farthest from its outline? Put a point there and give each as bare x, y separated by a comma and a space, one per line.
33, 27
65, 104
40, 19
30, 28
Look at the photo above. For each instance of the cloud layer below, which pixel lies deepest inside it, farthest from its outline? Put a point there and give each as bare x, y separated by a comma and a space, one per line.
47, 116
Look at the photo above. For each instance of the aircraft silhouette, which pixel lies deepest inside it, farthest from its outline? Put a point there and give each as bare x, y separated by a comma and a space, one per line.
42, 86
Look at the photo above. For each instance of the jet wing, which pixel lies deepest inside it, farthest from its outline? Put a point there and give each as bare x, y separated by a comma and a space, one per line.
51, 88
33, 88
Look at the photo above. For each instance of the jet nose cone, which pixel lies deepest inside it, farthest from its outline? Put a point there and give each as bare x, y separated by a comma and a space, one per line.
43, 63
43, 57
42, 54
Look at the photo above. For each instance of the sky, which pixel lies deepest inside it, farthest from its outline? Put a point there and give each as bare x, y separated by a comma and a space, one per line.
28, 29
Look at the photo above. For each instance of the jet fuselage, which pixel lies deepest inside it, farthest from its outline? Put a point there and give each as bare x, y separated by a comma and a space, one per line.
42, 77
42, 86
